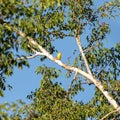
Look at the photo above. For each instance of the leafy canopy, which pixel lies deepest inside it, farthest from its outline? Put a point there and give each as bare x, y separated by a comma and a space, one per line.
47, 21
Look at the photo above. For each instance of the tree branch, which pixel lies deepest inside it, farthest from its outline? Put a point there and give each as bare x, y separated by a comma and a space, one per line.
97, 83
31, 56
109, 114
88, 49
69, 88
82, 53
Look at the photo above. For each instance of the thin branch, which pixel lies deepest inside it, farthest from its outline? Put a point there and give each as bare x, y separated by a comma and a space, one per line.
88, 83
31, 112
69, 88
97, 83
83, 55
88, 49
31, 56
109, 114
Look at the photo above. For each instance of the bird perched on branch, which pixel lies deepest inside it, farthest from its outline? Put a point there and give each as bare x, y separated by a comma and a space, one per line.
59, 56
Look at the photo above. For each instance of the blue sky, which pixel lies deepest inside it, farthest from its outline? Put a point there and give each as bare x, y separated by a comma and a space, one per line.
24, 81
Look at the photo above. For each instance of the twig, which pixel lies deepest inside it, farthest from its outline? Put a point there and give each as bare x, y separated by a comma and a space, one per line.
89, 83
69, 88
31, 56
110, 113
88, 49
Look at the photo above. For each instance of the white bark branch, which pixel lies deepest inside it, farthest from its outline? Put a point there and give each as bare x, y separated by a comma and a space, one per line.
77, 70
31, 56
82, 53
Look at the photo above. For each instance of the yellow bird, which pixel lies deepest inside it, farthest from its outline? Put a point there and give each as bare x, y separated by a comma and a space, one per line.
59, 56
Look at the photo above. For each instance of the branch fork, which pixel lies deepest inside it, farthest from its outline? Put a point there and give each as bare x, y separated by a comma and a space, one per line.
88, 75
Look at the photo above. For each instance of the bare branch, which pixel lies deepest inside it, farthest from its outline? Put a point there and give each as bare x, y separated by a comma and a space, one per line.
97, 83
86, 82
69, 88
82, 53
88, 49
31, 56
110, 114
74, 78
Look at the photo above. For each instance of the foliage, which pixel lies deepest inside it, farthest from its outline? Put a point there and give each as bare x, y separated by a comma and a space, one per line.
48, 21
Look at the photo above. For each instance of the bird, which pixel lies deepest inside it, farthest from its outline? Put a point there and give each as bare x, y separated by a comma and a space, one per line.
58, 57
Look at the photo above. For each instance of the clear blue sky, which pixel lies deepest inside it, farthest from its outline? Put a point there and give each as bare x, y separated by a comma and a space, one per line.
24, 81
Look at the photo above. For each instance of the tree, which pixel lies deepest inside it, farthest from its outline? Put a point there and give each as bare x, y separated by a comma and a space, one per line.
33, 26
